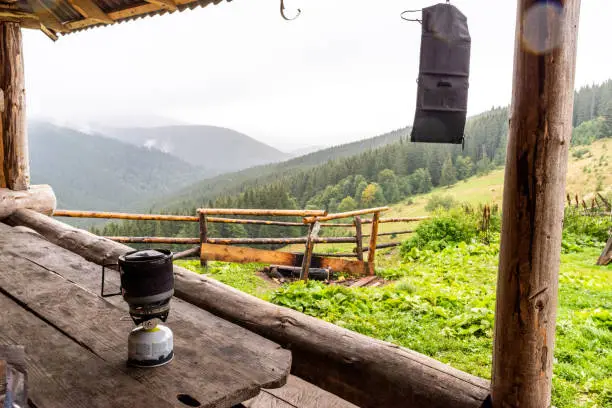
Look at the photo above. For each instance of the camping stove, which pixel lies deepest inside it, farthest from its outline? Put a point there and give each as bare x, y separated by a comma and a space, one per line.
147, 285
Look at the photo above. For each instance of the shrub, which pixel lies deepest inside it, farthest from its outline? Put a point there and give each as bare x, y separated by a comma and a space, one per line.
440, 201
580, 153
596, 228
444, 229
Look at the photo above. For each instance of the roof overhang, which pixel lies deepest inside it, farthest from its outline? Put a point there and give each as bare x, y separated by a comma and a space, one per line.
55, 17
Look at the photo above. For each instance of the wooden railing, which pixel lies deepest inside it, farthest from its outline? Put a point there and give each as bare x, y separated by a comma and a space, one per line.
214, 248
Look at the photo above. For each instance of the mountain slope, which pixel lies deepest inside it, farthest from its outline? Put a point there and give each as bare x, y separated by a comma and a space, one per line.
90, 172
232, 183
212, 147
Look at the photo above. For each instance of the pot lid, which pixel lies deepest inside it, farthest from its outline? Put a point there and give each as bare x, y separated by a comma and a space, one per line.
145, 255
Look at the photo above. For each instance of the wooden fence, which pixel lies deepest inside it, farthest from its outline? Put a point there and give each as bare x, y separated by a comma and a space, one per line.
222, 249
598, 205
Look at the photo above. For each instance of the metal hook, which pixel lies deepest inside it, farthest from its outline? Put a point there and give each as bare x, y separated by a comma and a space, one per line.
282, 11
411, 19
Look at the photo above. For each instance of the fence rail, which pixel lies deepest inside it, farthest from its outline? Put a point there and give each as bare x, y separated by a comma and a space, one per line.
213, 248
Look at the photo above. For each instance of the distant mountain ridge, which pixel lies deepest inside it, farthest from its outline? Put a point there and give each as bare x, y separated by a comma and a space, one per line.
92, 172
212, 147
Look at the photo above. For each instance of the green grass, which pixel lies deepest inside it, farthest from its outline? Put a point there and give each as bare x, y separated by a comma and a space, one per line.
442, 305
241, 277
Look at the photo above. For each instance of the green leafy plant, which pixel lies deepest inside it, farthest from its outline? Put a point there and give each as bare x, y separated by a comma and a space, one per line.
443, 229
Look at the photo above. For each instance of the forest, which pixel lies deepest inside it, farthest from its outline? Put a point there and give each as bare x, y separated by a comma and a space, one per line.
372, 177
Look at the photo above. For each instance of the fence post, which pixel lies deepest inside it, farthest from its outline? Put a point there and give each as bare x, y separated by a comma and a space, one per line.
203, 235
313, 232
373, 236
358, 238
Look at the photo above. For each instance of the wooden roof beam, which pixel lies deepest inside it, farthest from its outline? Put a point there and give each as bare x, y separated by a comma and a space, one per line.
169, 5
46, 16
91, 11
115, 15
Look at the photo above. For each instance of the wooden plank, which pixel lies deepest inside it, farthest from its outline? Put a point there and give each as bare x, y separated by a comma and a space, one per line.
606, 202
156, 240
606, 254
14, 159
385, 245
362, 370
164, 4
401, 219
313, 233
278, 241
267, 400
358, 238
63, 374
352, 267
254, 222
363, 281
533, 205
372, 246
232, 366
261, 212
347, 214
302, 394
188, 253
391, 233
90, 10
39, 198
224, 253
124, 216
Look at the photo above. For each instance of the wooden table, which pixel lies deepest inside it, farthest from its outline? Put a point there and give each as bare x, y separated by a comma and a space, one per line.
76, 341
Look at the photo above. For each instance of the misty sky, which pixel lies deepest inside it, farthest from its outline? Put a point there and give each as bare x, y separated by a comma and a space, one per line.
342, 71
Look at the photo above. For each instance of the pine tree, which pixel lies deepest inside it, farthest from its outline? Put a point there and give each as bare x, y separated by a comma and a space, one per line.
449, 175
465, 167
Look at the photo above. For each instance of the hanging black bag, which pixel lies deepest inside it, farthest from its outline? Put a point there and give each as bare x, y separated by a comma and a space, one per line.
441, 107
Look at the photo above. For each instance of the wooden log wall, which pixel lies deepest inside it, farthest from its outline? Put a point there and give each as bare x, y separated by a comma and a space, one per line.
365, 371
533, 205
14, 159
38, 198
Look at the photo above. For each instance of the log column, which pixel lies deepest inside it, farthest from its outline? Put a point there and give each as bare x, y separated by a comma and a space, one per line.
534, 194
14, 160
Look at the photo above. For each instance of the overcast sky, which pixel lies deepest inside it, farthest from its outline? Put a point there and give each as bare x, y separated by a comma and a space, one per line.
342, 71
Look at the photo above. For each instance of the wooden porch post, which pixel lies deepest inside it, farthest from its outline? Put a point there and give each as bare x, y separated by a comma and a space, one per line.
14, 161
373, 238
313, 233
358, 238
203, 235
534, 194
